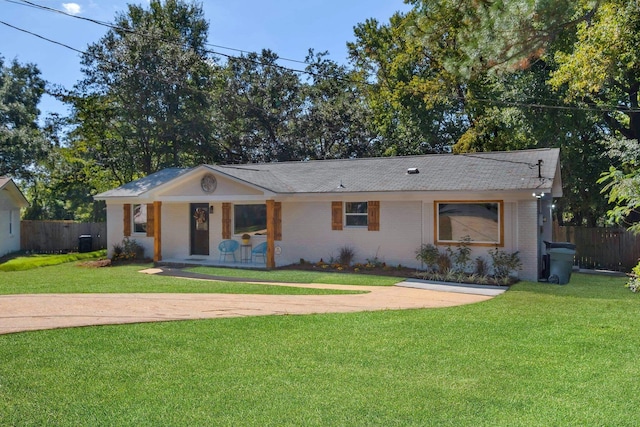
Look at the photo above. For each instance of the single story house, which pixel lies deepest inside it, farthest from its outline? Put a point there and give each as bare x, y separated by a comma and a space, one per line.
11, 201
383, 208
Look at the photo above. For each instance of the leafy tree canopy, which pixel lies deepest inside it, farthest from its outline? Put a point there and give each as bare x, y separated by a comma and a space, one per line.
144, 104
21, 142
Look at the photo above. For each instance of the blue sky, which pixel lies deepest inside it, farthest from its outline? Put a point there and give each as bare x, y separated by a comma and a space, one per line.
288, 27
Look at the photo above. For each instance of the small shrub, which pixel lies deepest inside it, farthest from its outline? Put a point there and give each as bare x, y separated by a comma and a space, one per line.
128, 250
444, 262
436, 277
504, 263
462, 255
482, 279
374, 263
450, 276
634, 279
503, 281
428, 255
463, 278
346, 255
117, 251
481, 268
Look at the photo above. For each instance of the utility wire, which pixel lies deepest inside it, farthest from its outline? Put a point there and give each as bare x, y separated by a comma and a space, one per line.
27, 3
137, 32
622, 109
42, 37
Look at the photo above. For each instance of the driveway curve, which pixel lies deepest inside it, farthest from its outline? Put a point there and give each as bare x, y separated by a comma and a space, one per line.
30, 312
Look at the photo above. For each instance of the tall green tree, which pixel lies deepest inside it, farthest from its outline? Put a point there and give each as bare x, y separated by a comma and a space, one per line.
145, 102
259, 103
622, 183
63, 182
335, 119
416, 104
602, 67
21, 141
475, 75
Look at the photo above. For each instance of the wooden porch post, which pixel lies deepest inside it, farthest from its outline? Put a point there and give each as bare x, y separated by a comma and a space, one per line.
157, 231
271, 234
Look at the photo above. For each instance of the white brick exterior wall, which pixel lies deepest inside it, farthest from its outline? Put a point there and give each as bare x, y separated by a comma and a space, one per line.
307, 234
528, 239
9, 233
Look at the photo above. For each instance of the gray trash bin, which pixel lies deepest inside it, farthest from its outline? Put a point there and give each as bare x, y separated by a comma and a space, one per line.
85, 243
560, 261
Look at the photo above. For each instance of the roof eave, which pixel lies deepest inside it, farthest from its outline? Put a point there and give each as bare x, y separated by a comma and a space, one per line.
11, 187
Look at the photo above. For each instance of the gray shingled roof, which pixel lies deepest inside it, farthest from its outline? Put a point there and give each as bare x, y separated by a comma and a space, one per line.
514, 170
142, 185
495, 171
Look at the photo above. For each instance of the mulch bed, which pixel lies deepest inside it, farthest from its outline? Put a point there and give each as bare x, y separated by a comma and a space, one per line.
95, 263
378, 270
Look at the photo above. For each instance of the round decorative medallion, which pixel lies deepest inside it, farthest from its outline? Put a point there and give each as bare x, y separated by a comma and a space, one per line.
208, 183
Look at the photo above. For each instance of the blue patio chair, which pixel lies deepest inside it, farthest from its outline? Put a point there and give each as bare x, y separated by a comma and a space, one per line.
259, 251
228, 247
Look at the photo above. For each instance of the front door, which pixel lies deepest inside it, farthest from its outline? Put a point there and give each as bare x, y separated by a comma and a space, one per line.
199, 213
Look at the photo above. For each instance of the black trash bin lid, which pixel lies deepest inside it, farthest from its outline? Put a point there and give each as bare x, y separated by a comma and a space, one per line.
564, 245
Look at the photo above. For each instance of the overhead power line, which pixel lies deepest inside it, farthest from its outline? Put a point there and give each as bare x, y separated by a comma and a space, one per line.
28, 3
595, 108
41, 37
520, 104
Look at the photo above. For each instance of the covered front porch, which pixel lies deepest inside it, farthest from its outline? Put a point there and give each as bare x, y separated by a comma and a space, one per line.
211, 234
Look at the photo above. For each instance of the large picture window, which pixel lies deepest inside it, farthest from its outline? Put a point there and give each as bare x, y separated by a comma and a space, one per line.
140, 218
356, 214
481, 221
250, 219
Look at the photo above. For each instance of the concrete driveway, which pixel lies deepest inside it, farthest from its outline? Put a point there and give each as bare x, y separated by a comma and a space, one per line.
30, 312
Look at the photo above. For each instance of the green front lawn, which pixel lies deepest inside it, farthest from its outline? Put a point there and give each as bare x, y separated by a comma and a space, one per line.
300, 276
27, 262
72, 278
538, 355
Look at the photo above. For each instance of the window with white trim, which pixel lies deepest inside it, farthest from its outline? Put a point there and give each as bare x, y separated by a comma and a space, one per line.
10, 222
481, 221
356, 214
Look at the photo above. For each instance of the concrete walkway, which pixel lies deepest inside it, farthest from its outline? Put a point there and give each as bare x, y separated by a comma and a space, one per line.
30, 312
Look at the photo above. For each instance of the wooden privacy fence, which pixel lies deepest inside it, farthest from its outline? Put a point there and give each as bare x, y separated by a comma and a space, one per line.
601, 248
60, 236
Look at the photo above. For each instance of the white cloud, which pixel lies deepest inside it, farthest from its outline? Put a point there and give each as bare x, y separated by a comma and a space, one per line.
72, 8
